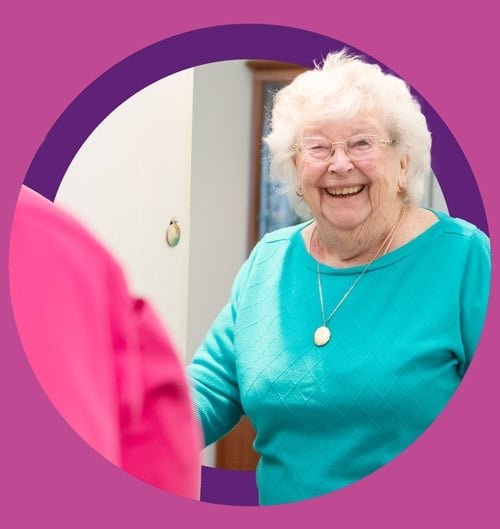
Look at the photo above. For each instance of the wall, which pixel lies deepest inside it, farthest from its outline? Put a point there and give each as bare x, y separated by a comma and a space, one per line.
220, 183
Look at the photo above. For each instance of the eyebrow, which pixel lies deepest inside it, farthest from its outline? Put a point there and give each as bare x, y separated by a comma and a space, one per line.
315, 132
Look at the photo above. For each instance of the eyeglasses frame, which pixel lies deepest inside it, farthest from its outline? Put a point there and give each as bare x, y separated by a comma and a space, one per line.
380, 142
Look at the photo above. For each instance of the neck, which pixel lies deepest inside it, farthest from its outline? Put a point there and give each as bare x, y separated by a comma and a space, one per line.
354, 247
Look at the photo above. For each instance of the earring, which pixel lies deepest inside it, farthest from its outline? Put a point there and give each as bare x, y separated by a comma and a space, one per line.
402, 188
298, 193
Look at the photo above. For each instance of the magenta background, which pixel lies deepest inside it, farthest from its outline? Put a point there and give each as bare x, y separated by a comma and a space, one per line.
50, 52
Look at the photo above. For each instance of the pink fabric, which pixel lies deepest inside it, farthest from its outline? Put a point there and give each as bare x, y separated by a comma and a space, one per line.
102, 357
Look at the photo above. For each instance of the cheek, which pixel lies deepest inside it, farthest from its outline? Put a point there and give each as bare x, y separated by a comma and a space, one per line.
386, 176
383, 186
308, 174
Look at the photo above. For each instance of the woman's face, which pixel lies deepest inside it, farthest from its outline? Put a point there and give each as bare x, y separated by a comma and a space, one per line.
347, 194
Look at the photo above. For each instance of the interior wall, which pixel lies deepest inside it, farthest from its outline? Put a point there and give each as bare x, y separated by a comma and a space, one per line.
433, 195
437, 200
220, 184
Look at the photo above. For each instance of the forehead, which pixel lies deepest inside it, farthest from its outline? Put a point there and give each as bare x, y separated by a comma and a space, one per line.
339, 129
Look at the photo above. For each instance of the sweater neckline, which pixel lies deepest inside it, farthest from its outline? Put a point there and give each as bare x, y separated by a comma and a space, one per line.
388, 259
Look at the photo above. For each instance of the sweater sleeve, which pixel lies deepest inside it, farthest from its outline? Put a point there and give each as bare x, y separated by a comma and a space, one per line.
160, 438
213, 379
474, 294
101, 355
212, 373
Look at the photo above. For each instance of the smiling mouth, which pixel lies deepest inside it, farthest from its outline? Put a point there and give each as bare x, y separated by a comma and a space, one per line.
345, 191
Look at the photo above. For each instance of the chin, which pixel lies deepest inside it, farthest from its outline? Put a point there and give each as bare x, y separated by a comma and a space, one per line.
346, 220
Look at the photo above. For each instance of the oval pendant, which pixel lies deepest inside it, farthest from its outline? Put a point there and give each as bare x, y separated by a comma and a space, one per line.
322, 336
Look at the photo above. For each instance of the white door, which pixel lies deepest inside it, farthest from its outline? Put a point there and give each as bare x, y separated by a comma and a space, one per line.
126, 183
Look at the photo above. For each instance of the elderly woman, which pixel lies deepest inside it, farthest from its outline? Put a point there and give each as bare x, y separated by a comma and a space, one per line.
345, 335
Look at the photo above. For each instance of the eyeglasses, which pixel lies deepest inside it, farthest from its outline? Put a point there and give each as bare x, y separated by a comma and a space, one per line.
361, 147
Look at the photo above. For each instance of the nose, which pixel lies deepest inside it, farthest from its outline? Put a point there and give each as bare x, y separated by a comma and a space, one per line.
339, 162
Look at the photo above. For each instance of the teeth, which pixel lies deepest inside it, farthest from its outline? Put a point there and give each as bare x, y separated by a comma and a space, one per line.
345, 191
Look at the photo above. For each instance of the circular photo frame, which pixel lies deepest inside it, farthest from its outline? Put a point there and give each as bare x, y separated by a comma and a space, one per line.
221, 43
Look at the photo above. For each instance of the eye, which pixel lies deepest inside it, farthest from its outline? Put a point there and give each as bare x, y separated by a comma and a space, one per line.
360, 143
317, 147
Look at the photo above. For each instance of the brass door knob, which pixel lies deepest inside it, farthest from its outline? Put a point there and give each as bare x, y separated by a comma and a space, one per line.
173, 233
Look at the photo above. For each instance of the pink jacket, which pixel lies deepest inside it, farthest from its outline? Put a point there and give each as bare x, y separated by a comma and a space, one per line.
102, 357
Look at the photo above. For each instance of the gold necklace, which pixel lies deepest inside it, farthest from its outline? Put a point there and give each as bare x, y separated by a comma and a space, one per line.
323, 334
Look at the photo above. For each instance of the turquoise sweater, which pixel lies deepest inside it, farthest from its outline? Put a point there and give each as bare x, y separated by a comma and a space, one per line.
327, 416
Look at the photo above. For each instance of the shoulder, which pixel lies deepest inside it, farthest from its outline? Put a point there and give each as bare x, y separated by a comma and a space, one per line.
461, 241
39, 222
270, 253
51, 250
285, 235
462, 228
277, 243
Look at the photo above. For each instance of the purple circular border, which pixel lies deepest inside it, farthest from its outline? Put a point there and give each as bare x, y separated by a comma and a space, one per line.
239, 41
218, 43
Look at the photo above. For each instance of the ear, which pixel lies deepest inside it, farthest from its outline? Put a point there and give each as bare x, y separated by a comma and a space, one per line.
404, 162
298, 180
403, 175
